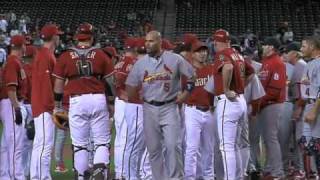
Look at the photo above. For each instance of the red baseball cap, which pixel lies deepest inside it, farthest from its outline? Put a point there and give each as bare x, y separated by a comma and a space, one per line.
140, 43
84, 32
130, 43
198, 45
17, 40
221, 35
49, 30
167, 45
30, 51
189, 38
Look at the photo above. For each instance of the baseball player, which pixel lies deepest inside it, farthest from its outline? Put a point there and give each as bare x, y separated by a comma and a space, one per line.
273, 78
4, 169
199, 119
285, 123
87, 70
310, 91
29, 122
159, 75
294, 57
230, 73
136, 146
13, 112
120, 102
42, 103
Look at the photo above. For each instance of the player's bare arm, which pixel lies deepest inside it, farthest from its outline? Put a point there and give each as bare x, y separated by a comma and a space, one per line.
313, 113
58, 92
132, 92
12, 94
227, 72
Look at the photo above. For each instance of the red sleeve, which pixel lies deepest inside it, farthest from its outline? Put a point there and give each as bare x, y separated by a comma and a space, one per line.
12, 71
108, 68
249, 69
221, 60
59, 68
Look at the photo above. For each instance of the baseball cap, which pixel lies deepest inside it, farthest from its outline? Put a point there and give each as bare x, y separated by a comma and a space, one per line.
189, 38
167, 45
294, 46
221, 35
198, 45
17, 40
130, 43
140, 43
84, 32
30, 51
272, 41
49, 30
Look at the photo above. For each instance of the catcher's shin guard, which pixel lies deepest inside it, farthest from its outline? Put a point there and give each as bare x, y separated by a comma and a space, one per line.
100, 172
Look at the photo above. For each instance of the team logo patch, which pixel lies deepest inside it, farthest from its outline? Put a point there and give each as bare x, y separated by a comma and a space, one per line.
221, 57
276, 76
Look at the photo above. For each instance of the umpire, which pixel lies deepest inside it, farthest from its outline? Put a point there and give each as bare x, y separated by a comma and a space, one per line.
159, 73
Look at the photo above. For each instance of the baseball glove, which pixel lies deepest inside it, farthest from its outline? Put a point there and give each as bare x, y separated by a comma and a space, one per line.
61, 120
30, 130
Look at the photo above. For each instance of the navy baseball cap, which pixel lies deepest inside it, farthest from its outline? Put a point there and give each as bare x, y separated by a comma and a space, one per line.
294, 46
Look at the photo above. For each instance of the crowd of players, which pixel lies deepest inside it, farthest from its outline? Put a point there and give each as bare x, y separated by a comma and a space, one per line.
282, 86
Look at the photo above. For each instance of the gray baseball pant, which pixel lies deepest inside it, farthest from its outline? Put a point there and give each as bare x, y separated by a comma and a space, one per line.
162, 128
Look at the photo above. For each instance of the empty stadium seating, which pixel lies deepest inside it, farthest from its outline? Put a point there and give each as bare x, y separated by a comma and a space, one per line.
72, 12
263, 16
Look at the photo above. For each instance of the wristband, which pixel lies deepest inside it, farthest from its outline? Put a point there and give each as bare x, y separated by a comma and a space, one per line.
189, 86
58, 96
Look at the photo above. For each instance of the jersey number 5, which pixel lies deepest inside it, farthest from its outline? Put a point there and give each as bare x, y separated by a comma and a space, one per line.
166, 87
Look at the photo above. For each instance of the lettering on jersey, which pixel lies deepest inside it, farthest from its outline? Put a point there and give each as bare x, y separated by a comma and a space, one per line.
201, 81
236, 57
119, 65
161, 76
74, 55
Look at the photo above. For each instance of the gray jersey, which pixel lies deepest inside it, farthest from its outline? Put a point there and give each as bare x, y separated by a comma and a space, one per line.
289, 73
311, 73
160, 78
294, 86
254, 90
256, 66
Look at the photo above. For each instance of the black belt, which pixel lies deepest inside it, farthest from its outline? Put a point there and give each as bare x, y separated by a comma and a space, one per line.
200, 108
311, 101
158, 103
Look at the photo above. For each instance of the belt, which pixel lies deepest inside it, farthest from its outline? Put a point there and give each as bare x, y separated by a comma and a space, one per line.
158, 103
311, 101
200, 108
77, 95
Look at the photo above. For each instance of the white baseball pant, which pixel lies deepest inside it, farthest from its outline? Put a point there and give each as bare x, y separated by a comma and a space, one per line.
42, 147
89, 111
121, 137
13, 135
229, 115
199, 131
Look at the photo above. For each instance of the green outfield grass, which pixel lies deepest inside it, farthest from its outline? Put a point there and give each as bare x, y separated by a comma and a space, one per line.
68, 160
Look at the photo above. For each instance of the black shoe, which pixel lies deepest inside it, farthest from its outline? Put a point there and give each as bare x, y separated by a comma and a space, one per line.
254, 175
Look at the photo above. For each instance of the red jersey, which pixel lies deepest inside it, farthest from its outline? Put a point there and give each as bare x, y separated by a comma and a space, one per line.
28, 70
70, 66
241, 69
42, 82
121, 72
15, 76
273, 78
199, 96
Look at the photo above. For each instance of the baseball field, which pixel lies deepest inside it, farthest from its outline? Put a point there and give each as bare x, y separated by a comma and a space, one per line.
68, 160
